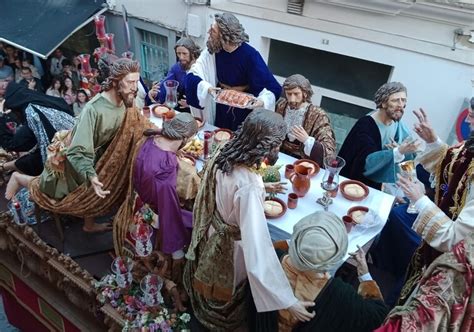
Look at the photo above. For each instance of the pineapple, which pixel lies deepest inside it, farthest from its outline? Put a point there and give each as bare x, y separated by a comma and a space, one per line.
271, 173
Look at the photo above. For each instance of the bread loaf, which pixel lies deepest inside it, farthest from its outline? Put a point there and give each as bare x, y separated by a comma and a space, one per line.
358, 216
222, 135
272, 208
354, 190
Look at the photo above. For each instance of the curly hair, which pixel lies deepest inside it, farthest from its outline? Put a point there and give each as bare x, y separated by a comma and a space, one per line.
118, 70
230, 29
261, 132
386, 90
190, 45
298, 81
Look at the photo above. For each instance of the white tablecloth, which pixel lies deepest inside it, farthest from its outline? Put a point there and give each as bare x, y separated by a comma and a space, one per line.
379, 202
282, 228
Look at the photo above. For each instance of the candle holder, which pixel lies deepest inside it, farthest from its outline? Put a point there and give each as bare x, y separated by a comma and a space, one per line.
15, 209
150, 286
141, 234
99, 21
109, 42
85, 64
98, 52
122, 268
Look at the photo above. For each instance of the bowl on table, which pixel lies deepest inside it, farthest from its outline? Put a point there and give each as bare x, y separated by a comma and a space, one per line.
222, 135
274, 207
357, 213
308, 163
159, 110
353, 190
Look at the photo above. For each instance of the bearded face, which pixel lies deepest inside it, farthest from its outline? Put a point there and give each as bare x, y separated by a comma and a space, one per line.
214, 42
295, 98
128, 88
394, 106
184, 57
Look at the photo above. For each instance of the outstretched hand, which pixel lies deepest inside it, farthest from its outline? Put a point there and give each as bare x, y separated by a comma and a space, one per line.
155, 89
359, 257
300, 134
275, 187
255, 104
414, 190
423, 128
409, 145
97, 185
299, 311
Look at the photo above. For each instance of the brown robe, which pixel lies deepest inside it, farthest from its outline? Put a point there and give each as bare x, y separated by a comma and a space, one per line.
113, 169
317, 125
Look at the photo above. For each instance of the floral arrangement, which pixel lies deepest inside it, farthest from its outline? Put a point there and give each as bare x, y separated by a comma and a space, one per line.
139, 317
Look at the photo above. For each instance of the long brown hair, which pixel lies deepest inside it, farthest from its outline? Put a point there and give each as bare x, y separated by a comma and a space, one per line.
261, 132
118, 70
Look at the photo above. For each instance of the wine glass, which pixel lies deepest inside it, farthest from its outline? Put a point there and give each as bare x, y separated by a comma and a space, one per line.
122, 268
330, 183
408, 171
150, 286
141, 234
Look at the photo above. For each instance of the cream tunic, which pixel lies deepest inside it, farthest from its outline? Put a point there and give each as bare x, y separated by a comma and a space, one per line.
432, 224
239, 200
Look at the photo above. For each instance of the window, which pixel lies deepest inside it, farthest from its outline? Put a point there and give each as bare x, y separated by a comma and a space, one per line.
332, 71
343, 116
154, 55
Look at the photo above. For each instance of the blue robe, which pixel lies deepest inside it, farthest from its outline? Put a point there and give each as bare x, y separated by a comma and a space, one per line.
367, 160
244, 66
176, 73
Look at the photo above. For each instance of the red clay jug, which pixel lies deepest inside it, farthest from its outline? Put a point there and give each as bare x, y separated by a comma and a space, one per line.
300, 180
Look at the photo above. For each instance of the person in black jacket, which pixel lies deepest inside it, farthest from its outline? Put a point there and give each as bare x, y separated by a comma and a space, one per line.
318, 244
28, 122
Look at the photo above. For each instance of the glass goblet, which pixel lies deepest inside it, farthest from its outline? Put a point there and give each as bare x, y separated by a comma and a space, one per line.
408, 171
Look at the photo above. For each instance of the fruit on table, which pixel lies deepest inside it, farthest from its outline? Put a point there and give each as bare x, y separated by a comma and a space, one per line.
271, 174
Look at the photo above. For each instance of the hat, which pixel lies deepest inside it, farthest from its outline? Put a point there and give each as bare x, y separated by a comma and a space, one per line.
319, 242
182, 126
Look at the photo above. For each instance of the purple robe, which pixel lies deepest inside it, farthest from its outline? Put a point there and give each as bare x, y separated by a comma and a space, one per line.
154, 178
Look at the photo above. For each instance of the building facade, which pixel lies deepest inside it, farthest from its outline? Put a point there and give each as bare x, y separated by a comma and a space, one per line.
346, 48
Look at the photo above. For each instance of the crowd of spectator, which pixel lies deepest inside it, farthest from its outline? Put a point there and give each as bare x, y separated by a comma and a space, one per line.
58, 76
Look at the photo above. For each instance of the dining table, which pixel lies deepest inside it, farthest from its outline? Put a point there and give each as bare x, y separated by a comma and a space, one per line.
281, 228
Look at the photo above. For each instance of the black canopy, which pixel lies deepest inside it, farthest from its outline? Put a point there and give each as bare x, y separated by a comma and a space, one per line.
40, 26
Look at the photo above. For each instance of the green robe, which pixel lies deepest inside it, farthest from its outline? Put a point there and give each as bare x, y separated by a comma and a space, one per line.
94, 130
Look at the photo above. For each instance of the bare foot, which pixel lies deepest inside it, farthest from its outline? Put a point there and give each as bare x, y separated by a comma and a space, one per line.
97, 228
175, 294
12, 187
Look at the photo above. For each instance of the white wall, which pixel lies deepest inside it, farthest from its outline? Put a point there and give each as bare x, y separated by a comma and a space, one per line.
438, 85
437, 78
169, 13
